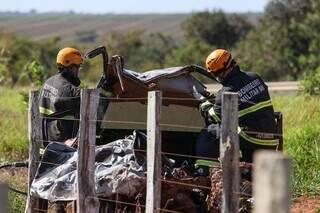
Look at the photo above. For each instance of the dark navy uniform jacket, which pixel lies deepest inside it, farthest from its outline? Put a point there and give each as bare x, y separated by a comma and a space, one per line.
59, 107
256, 114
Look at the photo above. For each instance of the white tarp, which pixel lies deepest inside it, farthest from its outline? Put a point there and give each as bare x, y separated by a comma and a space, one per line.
117, 169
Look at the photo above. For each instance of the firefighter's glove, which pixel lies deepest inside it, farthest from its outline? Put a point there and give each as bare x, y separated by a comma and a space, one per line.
197, 95
211, 97
72, 142
214, 130
201, 171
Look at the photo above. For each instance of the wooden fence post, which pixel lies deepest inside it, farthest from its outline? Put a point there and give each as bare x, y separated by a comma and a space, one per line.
229, 153
271, 180
35, 140
153, 200
87, 202
4, 199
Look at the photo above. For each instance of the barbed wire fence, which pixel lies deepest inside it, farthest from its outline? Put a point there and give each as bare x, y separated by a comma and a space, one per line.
88, 200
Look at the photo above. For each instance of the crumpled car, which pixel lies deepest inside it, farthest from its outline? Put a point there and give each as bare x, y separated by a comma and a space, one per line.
120, 115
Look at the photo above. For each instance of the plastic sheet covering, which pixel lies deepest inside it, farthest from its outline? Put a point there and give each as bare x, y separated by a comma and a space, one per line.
117, 169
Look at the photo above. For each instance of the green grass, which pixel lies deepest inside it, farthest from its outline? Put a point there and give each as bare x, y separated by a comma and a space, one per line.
13, 142
13, 125
302, 140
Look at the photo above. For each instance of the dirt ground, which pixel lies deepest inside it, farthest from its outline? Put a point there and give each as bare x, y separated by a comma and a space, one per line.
306, 204
16, 178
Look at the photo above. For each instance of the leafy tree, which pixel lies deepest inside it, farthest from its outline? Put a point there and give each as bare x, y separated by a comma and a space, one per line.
189, 52
277, 47
36, 72
151, 55
13, 57
140, 52
240, 26
17, 54
311, 60
125, 44
216, 28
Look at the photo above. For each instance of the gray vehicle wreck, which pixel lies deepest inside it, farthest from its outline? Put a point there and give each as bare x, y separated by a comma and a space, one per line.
118, 169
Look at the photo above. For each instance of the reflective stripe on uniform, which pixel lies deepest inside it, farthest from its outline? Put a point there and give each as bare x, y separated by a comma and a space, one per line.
213, 115
209, 163
45, 111
240, 154
263, 142
48, 112
243, 112
41, 151
255, 107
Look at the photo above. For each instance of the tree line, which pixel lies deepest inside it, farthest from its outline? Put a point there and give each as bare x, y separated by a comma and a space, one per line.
283, 44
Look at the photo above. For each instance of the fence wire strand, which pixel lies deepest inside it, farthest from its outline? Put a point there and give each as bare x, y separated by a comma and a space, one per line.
166, 125
185, 184
161, 124
117, 98
120, 99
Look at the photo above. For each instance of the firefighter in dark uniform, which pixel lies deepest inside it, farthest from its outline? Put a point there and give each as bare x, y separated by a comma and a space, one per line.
60, 98
59, 105
256, 115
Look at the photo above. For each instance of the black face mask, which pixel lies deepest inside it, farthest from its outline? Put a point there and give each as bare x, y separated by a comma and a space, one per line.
220, 75
71, 77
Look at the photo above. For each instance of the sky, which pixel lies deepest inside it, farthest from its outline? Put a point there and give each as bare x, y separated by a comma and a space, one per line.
132, 6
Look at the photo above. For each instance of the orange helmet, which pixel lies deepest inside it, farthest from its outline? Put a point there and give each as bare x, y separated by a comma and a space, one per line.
68, 56
218, 60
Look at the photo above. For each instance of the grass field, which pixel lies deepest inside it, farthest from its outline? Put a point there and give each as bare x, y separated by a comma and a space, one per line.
13, 142
301, 139
13, 125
